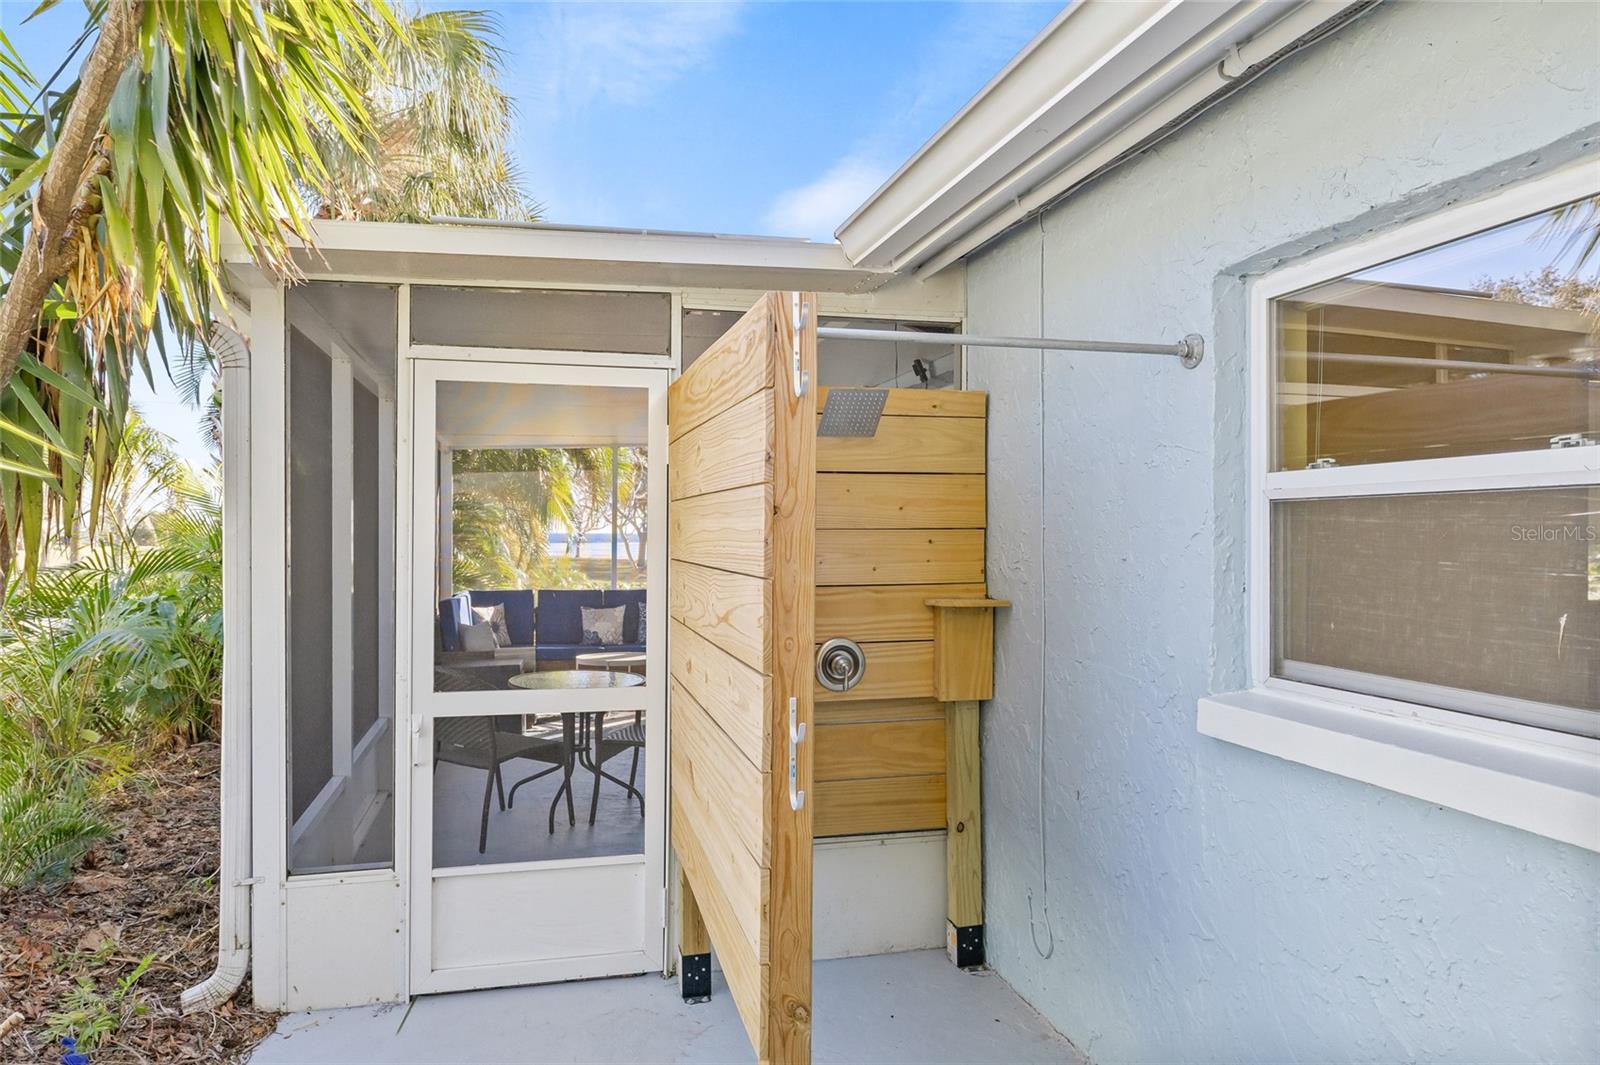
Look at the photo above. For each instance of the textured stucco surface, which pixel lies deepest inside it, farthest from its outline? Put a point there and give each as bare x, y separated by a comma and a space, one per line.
1209, 902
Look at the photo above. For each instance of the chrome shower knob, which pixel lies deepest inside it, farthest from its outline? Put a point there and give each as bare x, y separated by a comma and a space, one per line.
840, 664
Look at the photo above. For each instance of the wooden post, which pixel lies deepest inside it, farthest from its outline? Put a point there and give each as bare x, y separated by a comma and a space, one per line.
963, 673
694, 946
964, 836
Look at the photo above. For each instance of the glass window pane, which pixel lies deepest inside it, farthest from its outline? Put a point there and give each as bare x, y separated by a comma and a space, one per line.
1486, 344
542, 531
851, 363
553, 771
1486, 602
545, 319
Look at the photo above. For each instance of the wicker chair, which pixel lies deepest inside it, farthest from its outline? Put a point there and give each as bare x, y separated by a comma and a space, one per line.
485, 743
609, 743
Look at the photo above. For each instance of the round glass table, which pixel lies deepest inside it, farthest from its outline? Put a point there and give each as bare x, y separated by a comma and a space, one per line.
572, 679
583, 733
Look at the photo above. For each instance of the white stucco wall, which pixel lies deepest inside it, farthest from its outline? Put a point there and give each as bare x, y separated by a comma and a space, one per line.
1208, 902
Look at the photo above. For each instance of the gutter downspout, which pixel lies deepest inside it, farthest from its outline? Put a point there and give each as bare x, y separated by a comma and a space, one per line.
233, 877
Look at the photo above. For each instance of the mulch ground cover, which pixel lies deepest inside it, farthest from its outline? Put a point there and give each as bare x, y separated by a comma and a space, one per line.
149, 891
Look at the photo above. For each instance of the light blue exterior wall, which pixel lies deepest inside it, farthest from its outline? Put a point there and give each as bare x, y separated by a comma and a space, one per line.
1208, 902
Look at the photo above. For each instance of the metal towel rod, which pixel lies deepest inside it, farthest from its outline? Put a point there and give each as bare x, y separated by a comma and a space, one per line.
1191, 349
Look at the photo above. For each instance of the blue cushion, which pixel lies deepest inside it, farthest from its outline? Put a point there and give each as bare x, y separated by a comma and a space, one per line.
453, 613
518, 603
629, 598
560, 613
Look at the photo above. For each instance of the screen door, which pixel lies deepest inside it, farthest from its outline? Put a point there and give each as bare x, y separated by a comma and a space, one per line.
537, 672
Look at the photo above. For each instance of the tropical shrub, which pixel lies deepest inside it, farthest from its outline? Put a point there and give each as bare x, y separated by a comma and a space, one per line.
100, 658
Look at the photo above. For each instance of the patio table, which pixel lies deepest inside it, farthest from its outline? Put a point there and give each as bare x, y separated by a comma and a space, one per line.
572, 680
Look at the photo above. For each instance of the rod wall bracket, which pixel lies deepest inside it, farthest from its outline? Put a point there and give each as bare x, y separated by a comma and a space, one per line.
1194, 350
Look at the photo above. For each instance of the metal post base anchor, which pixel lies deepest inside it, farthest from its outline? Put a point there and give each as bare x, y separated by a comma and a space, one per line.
694, 977
964, 944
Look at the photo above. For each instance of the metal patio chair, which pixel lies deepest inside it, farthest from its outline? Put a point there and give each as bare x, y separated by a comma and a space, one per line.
481, 743
594, 751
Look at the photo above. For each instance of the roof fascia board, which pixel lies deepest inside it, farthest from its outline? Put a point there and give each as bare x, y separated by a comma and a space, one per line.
1079, 59
1023, 195
566, 243
1092, 73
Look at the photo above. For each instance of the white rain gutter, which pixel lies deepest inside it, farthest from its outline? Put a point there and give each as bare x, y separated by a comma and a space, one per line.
1103, 80
233, 876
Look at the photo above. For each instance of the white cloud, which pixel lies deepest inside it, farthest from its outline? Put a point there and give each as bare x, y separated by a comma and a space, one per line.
618, 53
815, 210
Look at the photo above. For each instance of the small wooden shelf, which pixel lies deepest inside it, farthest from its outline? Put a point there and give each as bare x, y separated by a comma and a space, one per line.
963, 647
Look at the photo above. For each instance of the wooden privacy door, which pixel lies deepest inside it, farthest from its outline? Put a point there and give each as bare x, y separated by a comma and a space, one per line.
741, 478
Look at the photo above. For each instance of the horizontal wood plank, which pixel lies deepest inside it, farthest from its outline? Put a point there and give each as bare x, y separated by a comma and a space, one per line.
729, 609
734, 367
885, 804
928, 402
725, 530
899, 556
880, 749
894, 671
712, 765
736, 949
733, 693
870, 710
900, 501
730, 450
870, 613
908, 445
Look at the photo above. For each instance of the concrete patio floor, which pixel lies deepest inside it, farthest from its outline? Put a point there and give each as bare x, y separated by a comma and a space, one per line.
912, 1007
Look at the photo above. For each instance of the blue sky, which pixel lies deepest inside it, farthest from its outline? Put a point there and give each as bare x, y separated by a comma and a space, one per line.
725, 117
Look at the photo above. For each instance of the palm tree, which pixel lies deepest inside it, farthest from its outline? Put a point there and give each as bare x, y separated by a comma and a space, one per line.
505, 500
442, 127
114, 189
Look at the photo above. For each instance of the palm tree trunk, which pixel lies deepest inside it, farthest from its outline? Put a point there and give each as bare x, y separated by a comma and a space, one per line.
69, 192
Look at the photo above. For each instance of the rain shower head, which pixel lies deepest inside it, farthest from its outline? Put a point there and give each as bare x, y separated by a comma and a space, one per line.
852, 412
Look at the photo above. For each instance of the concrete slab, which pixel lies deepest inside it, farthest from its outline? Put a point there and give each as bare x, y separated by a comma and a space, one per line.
912, 1007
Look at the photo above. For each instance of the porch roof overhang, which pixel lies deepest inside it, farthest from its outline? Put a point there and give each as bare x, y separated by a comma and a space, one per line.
535, 254
1104, 80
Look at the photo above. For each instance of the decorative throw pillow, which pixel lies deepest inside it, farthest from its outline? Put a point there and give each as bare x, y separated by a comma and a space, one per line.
477, 638
495, 618
642, 630
602, 624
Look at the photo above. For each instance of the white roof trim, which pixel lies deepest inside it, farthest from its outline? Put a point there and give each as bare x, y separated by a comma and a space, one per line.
519, 254
1100, 70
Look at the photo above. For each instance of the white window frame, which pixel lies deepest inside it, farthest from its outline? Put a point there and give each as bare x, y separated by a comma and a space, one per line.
1534, 778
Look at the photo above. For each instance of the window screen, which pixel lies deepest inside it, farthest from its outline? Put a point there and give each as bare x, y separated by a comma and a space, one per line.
638, 323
